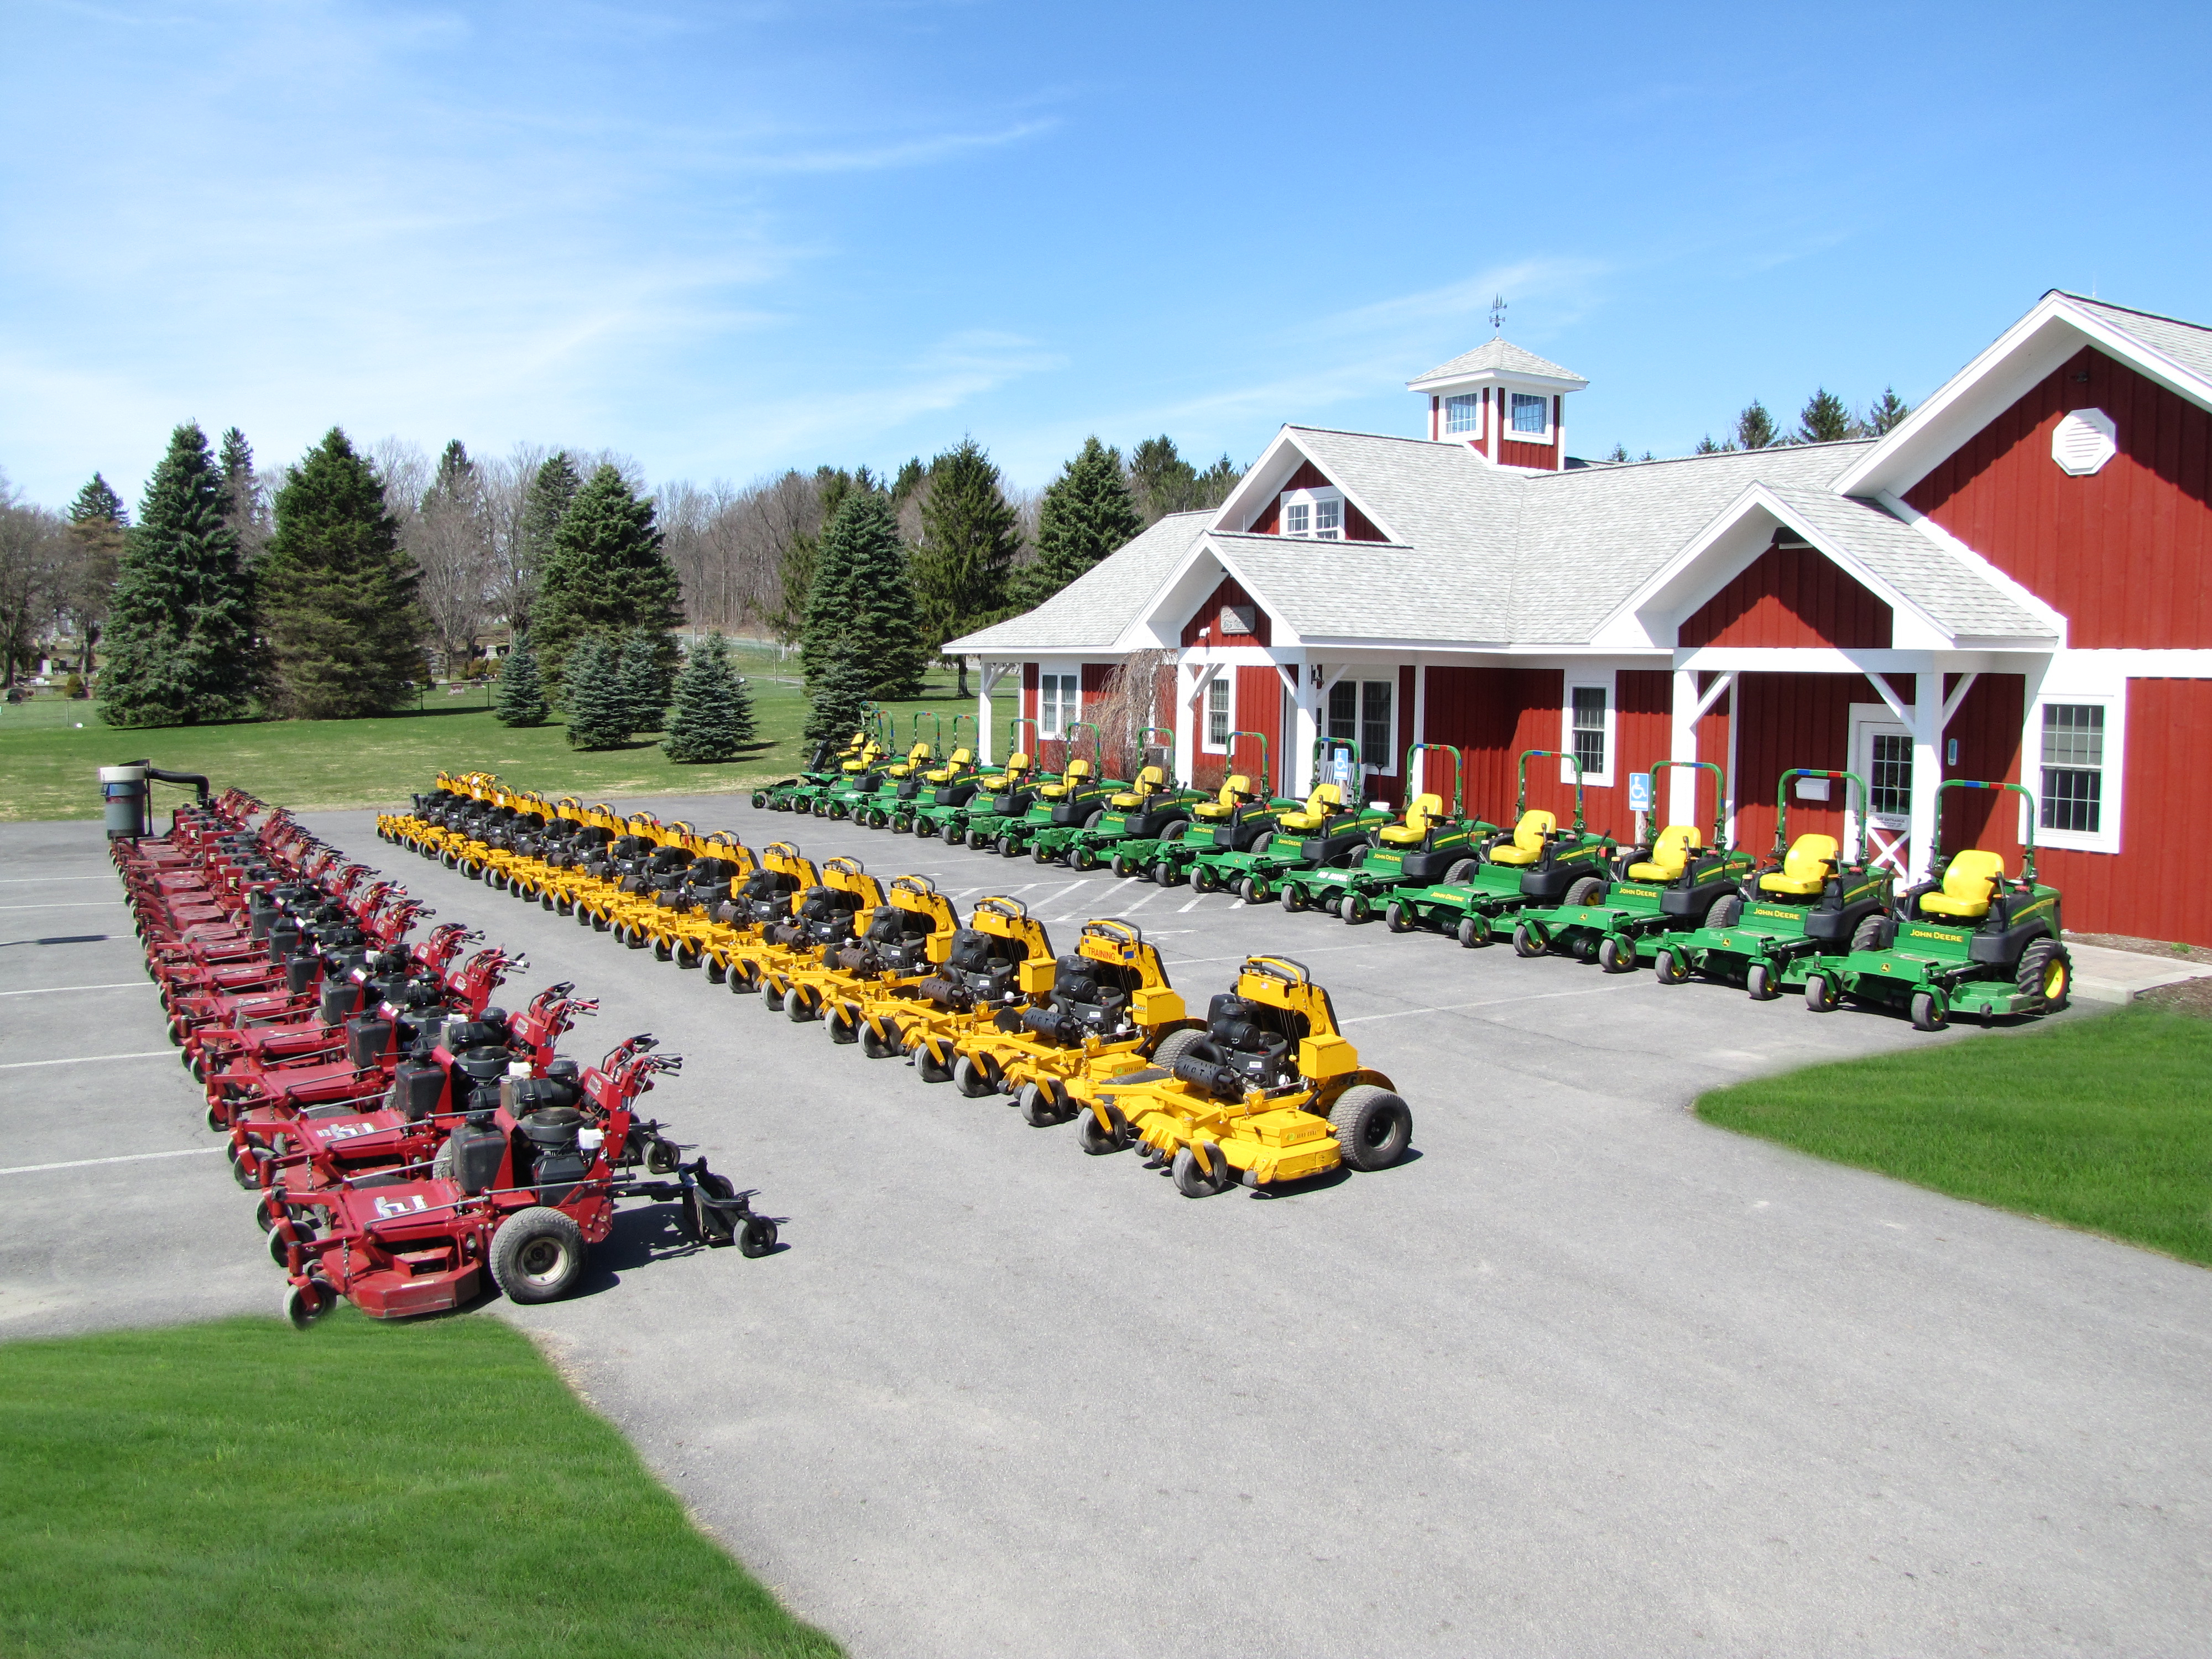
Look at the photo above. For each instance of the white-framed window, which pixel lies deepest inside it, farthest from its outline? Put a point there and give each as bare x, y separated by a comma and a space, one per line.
2072, 750
1220, 712
1532, 415
1463, 413
1060, 700
1365, 712
1317, 515
1587, 728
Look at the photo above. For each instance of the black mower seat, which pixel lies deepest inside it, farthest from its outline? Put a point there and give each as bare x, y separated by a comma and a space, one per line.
1413, 830
1236, 790
1804, 869
1529, 836
1670, 855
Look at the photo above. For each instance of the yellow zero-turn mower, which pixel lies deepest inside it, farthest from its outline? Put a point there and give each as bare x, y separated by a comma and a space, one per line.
1001, 962
907, 941
1109, 1003
682, 922
834, 911
1268, 1092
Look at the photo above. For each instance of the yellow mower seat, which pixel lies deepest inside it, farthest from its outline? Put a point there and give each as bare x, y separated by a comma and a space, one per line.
1234, 793
1324, 804
945, 773
866, 758
1670, 855
1415, 828
1149, 781
1077, 771
1970, 882
916, 757
1804, 869
1017, 764
1528, 837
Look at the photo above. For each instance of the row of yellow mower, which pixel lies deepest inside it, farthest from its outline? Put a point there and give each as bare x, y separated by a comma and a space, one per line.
1264, 1089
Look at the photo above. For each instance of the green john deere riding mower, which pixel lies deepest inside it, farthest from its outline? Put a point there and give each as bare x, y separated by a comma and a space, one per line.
1075, 800
1137, 811
941, 800
1669, 885
825, 768
1325, 832
1007, 795
1230, 822
873, 810
1962, 942
1427, 844
1805, 903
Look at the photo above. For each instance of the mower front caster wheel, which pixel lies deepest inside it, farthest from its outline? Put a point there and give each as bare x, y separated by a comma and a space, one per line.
1096, 1138
1820, 995
973, 1078
305, 1303
1045, 1103
1355, 909
1928, 1013
1758, 983
1527, 942
538, 1254
1397, 917
1194, 1182
1668, 970
1613, 958
1473, 932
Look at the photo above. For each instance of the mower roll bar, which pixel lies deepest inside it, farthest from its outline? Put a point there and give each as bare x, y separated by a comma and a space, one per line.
1271, 967
1036, 736
999, 905
2027, 852
1520, 802
1854, 855
1413, 784
1229, 759
1098, 747
1720, 796
1166, 749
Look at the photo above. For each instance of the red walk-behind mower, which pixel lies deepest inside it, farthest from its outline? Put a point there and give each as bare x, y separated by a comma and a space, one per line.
451, 1057
530, 1186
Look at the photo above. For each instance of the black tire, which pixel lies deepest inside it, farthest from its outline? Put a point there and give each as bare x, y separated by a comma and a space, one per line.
972, 1076
1398, 917
1587, 891
1044, 1103
1119, 866
538, 1254
303, 1306
1174, 1046
1374, 1127
1526, 943
1355, 909
1096, 1138
1194, 1182
1819, 996
2046, 972
687, 956
1668, 968
1082, 857
1870, 932
1473, 933
876, 1048
1926, 1016
756, 1237
1293, 900
801, 1006
742, 977
1758, 983
1008, 848
928, 1069
1727, 910
1164, 874
842, 1027
1611, 958
1204, 878
1461, 872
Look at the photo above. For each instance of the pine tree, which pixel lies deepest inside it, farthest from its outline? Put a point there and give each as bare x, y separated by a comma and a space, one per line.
1826, 419
1755, 427
99, 532
643, 682
1883, 414
606, 575
714, 714
969, 536
862, 606
247, 498
795, 570
1087, 514
344, 625
98, 502
522, 692
839, 696
180, 639
594, 700
543, 506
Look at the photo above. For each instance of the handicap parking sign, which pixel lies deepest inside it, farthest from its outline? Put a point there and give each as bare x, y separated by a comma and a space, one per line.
1639, 792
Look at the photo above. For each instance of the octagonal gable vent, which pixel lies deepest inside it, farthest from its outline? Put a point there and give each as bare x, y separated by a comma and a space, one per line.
2084, 441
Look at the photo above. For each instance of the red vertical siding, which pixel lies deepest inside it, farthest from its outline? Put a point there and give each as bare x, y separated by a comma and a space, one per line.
1358, 528
1474, 709
1269, 521
1790, 596
2125, 552
1203, 626
1514, 452
1255, 705
1987, 731
1643, 733
1792, 719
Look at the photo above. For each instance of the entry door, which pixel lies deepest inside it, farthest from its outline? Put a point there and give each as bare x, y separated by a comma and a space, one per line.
1882, 755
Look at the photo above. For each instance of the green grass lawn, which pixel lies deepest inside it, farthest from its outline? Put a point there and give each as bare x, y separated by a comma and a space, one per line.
242, 1489
49, 764
2103, 1123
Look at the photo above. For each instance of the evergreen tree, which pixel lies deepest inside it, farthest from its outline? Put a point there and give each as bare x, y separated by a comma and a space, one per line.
1826, 419
910, 478
969, 536
1087, 514
246, 499
643, 682
544, 505
1707, 446
522, 692
594, 699
861, 605
180, 638
344, 625
1755, 427
97, 502
606, 575
839, 696
714, 714
1885, 412
795, 570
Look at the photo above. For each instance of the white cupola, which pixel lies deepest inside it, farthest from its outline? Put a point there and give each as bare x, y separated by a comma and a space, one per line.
1506, 404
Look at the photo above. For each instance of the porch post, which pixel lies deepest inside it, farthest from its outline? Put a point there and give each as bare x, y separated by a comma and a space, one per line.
1681, 781
987, 679
1928, 724
1305, 732
1188, 674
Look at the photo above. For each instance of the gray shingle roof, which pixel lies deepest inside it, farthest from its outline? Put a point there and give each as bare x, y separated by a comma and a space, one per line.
1093, 609
2187, 344
1502, 356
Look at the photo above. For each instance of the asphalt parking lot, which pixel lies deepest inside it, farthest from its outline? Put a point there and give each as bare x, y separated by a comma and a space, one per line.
1584, 1377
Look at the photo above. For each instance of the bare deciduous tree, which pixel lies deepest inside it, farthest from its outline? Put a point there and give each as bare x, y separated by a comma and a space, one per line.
32, 577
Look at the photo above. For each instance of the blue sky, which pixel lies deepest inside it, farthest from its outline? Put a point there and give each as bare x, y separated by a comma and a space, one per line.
726, 239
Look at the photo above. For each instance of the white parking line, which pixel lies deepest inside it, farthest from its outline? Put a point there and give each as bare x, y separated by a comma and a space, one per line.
1194, 905
45, 881
88, 1162
85, 1060
1493, 1002
56, 990
73, 904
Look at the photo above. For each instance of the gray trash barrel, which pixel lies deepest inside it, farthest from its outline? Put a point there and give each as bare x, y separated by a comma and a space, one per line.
123, 788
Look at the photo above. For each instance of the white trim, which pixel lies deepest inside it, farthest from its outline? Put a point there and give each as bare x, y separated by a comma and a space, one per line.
1890, 719
1312, 498
1205, 699
1267, 477
1362, 676
1060, 709
1515, 434
2080, 677
2017, 590
1601, 679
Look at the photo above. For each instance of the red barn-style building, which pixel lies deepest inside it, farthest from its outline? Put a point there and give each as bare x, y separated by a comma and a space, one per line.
2015, 583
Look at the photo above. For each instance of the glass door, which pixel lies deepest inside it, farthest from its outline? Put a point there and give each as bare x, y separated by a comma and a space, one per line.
1882, 752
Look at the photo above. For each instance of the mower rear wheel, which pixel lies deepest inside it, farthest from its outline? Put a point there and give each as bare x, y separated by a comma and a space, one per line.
1820, 995
1758, 983
1097, 1139
1194, 1182
538, 1254
2046, 972
1462, 870
972, 1076
1398, 918
1928, 1015
1587, 891
842, 1027
1174, 1046
1871, 934
1473, 932
1374, 1127
305, 1304
1727, 910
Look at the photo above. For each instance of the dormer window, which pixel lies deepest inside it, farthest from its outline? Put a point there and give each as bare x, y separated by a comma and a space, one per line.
1532, 413
1463, 413
1314, 514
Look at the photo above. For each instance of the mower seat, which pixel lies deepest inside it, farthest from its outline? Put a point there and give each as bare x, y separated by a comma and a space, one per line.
1149, 781
1070, 779
1529, 835
866, 758
916, 757
1324, 804
1017, 764
1670, 855
1804, 869
1970, 880
1234, 793
1418, 820
959, 759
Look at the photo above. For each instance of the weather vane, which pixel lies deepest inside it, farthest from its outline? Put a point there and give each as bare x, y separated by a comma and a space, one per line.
1498, 315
